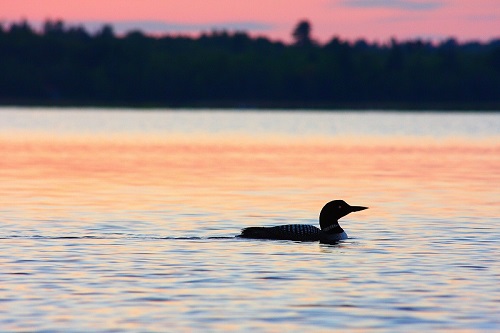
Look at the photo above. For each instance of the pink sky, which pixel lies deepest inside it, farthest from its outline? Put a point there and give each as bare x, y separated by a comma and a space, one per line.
349, 19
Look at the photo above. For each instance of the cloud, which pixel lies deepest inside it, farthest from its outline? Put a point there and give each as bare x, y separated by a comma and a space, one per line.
398, 4
484, 17
168, 27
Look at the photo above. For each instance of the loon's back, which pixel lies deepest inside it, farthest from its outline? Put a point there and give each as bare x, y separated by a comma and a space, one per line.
298, 232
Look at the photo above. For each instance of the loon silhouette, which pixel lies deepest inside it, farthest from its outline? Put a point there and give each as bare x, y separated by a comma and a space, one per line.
330, 230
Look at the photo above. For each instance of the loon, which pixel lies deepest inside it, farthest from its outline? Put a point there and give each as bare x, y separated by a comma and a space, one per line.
330, 230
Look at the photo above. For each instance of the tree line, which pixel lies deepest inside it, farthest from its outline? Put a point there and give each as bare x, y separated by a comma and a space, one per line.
67, 65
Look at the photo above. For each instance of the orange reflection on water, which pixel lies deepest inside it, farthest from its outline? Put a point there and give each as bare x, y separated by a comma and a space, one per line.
233, 173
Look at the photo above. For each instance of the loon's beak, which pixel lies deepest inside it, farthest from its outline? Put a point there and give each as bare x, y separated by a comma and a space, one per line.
357, 208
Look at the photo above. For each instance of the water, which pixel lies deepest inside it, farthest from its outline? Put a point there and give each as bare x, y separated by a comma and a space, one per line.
123, 220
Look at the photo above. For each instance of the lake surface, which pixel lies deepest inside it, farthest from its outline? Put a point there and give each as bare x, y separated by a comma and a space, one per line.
124, 221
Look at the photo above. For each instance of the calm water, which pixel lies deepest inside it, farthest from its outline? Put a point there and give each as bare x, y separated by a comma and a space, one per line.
124, 221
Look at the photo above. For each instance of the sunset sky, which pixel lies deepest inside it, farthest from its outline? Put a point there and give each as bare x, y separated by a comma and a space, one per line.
374, 20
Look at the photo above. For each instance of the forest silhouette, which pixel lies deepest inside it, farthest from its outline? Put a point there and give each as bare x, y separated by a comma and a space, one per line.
67, 65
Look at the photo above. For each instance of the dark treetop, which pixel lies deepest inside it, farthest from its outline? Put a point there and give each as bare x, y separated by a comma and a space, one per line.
68, 66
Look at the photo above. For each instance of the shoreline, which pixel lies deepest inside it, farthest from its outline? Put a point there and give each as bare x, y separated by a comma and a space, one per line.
265, 106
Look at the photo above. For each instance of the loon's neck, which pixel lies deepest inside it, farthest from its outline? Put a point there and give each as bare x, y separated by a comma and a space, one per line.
333, 228
333, 233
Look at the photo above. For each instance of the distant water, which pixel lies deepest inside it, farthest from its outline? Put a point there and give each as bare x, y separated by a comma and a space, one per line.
124, 221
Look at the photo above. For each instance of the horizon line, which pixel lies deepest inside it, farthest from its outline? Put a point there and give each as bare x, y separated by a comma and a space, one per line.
255, 29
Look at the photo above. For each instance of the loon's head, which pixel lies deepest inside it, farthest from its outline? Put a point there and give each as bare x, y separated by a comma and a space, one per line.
334, 210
